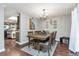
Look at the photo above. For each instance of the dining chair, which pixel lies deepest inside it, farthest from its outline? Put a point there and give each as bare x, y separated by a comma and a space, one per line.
30, 39
38, 32
54, 37
30, 32
46, 45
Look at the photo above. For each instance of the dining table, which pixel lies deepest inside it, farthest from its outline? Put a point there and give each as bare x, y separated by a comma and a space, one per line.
38, 37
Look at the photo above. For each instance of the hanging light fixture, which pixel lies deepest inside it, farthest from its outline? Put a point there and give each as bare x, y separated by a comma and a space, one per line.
44, 17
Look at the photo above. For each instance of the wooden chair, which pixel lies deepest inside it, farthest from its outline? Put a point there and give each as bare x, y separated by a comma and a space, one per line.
47, 45
54, 37
38, 32
30, 32
31, 39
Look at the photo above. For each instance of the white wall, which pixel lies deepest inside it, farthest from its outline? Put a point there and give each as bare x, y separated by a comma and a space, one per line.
38, 24
10, 11
73, 31
46, 24
63, 26
24, 27
1, 29
74, 37
77, 30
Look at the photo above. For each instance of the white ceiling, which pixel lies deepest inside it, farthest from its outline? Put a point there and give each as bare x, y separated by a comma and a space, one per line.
35, 9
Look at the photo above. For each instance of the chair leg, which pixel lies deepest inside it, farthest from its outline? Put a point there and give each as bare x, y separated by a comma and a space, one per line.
48, 53
50, 48
33, 43
28, 45
38, 47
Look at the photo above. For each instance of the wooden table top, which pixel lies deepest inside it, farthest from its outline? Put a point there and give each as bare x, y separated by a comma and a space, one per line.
38, 37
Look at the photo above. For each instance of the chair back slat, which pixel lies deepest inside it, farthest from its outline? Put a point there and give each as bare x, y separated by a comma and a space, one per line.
30, 33
51, 38
55, 35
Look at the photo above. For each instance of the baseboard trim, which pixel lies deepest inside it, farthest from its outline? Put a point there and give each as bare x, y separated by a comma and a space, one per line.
57, 39
2, 50
21, 43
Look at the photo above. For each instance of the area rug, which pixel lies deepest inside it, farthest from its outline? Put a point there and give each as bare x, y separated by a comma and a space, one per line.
35, 52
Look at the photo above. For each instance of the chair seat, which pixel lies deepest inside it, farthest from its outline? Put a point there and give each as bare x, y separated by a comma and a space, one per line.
46, 43
43, 48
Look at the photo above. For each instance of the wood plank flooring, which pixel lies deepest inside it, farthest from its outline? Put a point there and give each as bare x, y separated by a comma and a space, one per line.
62, 50
13, 49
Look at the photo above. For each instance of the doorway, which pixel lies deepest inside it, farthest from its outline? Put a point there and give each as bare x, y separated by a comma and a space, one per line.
11, 30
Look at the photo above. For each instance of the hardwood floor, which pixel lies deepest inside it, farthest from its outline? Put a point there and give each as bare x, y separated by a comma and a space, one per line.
62, 50
12, 49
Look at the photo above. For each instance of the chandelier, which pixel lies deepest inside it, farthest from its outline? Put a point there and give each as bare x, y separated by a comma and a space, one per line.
44, 17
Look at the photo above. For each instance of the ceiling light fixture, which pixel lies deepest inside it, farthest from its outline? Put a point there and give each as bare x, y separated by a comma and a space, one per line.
44, 17
13, 18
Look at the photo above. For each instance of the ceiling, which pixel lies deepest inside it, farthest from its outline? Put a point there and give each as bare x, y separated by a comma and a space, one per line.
35, 9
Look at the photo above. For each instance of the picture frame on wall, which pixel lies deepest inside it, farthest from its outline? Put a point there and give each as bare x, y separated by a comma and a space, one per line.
55, 24
50, 21
31, 24
47, 25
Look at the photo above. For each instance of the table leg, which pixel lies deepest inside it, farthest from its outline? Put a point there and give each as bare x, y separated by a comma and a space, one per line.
61, 40
38, 46
68, 42
29, 42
